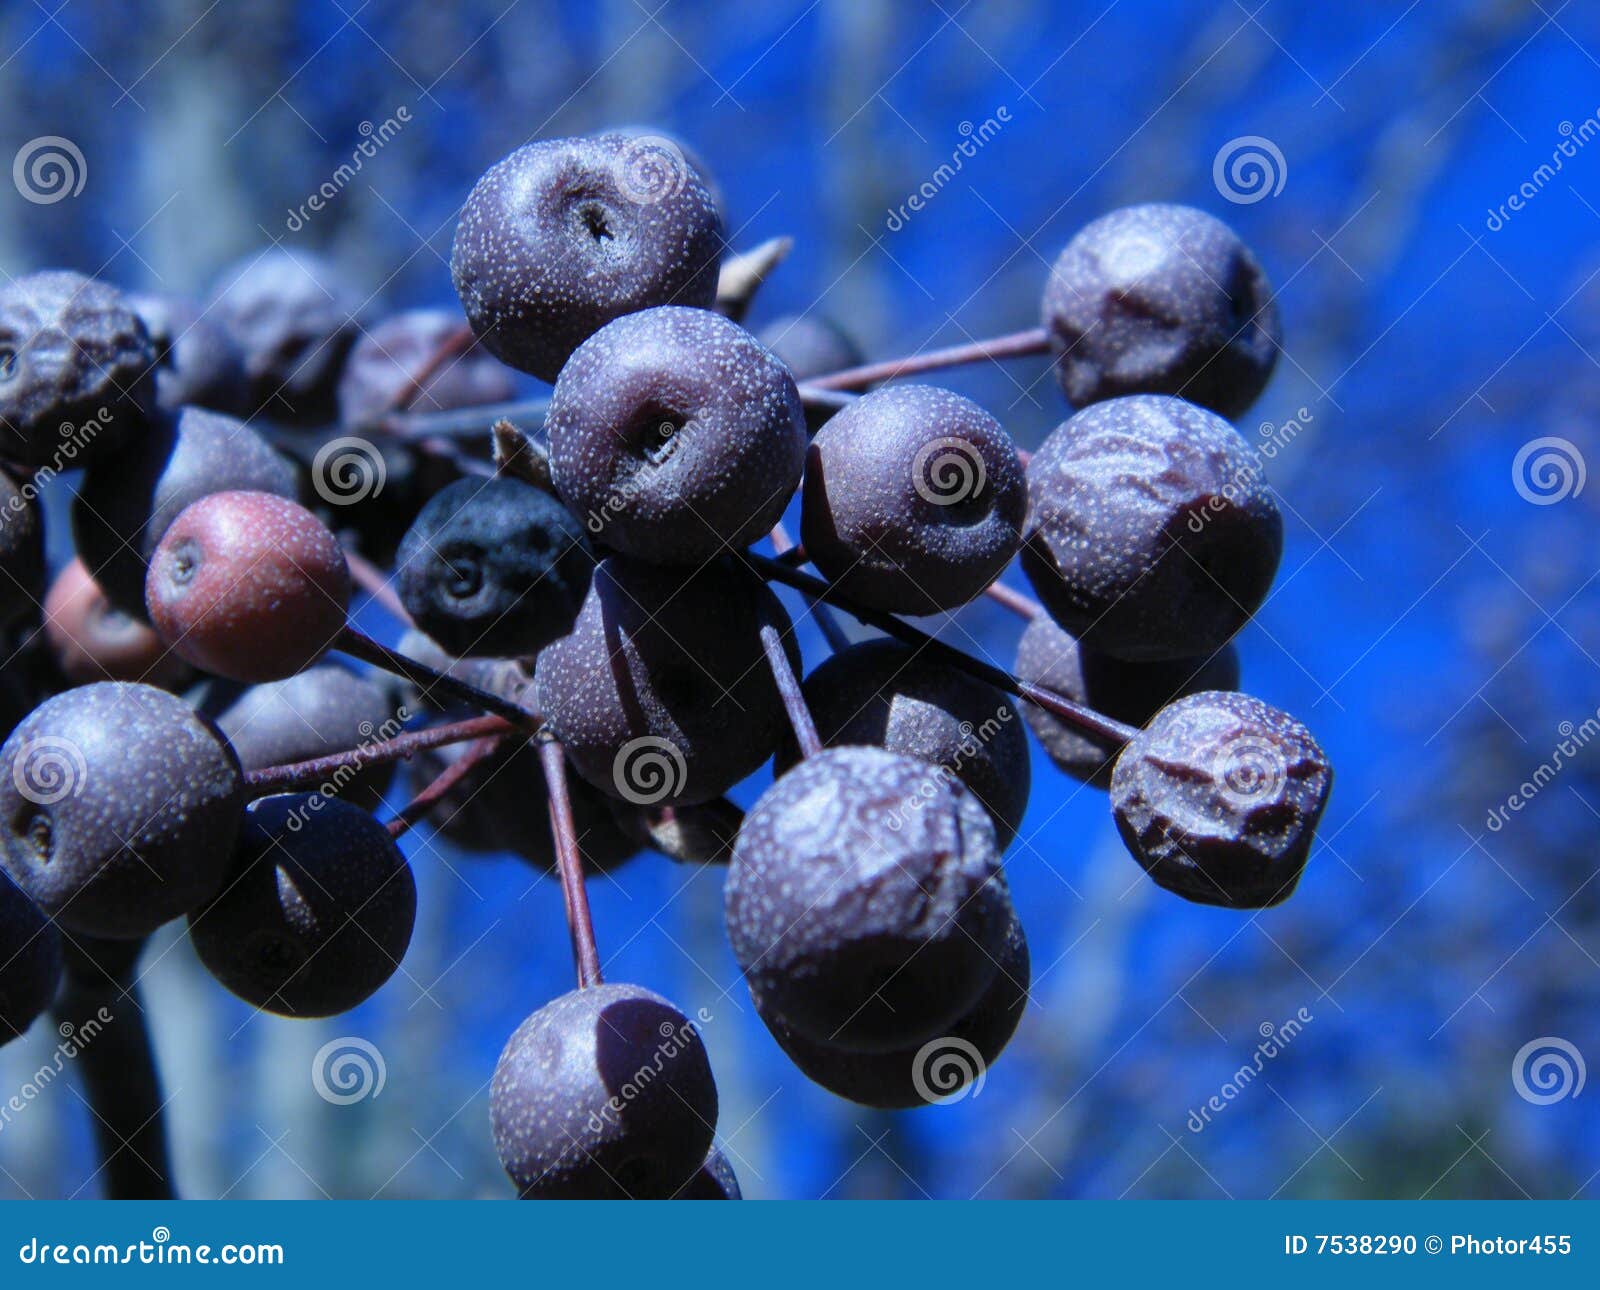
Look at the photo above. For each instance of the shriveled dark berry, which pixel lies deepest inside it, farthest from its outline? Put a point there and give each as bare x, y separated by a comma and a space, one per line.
382, 370
294, 317
30, 962
865, 901
494, 567
662, 694
127, 500
198, 364
119, 805
1160, 299
250, 586
885, 694
1152, 533
92, 640
714, 1181
1219, 797
946, 1066
914, 499
675, 436
316, 912
561, 237
810, 345
604, 1093
77, 370
1128, 692
21, 550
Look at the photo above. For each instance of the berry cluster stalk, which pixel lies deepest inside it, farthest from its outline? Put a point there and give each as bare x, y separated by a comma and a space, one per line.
569, 863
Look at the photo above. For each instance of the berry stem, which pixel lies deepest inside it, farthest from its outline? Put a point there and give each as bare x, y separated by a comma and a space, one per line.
792, 552
569, 863
1017, 344
307, 774
794, 699
359, 645
1113, 734
1022, 606
372, 580
451, 347
117, 1065
412, 813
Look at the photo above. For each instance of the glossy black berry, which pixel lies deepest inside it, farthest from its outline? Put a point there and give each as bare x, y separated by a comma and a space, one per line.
118, 808
946, 1066
77, 370
494, 567
294, 317
865, 902
198, 363
1128, 692
714, 1181
382, 370
604, 1093
561, 237
127, 501
675, 436
914, 499
1152, 533
316, 912
1219, 797
30, 962
1161, 299
21, 550
886, 694
662, 694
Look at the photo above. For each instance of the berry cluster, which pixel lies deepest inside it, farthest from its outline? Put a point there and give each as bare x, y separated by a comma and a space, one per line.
594, 656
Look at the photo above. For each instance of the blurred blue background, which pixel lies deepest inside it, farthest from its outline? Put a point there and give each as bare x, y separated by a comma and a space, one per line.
1434, 623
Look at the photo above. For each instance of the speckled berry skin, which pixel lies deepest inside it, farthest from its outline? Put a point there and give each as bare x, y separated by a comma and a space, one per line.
1128, 692
661, 694
119, 806
603, 1094
384, 363
198, 364
30, 962
918, 1075
558, 239
1161, 299
1219, 798
885, 694
294, 317
77, 370
316, 912
494, 567
21, 551
127, 501
1152, 533
865, 902
913, 500
92, 640
249, 586
715, 1181
675, 436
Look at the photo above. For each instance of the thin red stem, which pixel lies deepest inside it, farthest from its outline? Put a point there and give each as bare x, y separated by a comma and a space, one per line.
373, 581
1019, 604
794, 699
412, 813
306, 774
1017, 344
359, 645
451, 347
569, 863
